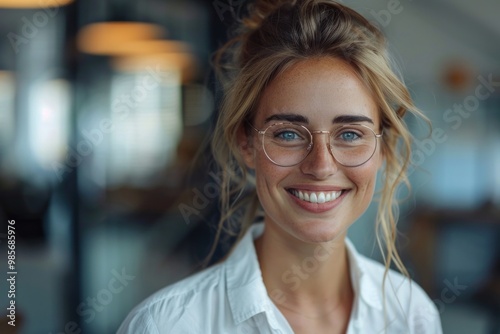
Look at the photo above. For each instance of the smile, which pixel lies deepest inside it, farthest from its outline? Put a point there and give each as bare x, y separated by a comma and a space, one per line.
316, 197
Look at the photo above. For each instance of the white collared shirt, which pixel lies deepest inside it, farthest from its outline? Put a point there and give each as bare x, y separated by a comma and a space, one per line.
231, 298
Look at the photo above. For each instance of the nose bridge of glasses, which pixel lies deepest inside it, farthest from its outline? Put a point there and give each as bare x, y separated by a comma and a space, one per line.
320, 131
327, 141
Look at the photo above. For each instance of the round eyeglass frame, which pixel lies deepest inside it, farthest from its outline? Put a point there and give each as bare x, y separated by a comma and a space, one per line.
311, 143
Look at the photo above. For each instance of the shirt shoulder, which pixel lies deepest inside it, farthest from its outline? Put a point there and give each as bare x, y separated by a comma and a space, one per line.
176, 308
399, 289
405, 301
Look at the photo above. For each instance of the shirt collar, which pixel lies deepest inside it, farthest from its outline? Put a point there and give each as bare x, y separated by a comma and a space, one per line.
364, 287
247, 294
246, 291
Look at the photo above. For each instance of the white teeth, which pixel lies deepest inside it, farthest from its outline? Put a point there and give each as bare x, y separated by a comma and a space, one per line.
320, 197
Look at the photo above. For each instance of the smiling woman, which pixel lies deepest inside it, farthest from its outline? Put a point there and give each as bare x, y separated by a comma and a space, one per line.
312, 112
320, 93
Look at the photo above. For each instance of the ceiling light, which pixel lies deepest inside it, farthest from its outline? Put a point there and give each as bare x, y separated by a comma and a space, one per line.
33, 3
108, 37
184, 62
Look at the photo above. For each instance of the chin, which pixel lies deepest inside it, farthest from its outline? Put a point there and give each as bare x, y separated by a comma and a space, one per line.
319, 231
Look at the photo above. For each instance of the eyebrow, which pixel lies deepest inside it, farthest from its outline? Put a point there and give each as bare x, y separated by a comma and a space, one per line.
352, 119
293, 118
296, 118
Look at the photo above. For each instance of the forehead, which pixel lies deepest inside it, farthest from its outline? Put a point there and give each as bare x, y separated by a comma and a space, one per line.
320, 89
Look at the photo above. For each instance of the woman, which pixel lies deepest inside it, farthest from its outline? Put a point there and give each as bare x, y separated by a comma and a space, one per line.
312, 112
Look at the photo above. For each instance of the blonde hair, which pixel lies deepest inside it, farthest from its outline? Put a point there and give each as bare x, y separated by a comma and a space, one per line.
276, 35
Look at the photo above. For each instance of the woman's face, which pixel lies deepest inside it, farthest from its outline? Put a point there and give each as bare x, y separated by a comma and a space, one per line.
317, 93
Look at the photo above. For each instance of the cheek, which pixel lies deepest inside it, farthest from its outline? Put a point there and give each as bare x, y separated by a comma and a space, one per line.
267, 178
365, 176
267, 174
264, 168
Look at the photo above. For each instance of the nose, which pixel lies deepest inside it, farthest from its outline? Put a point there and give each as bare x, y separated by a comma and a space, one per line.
320, 162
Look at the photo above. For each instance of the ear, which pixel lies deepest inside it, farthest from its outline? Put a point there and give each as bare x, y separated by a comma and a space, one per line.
246, 147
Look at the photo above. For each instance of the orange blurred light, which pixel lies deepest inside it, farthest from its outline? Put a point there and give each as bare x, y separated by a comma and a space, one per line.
147, 47
108, 38
182, 61
33, 3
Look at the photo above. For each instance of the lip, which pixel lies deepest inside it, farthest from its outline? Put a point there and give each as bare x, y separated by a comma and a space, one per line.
317, 207
310, 187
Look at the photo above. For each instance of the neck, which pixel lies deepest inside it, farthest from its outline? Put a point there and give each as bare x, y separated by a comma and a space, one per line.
309, 278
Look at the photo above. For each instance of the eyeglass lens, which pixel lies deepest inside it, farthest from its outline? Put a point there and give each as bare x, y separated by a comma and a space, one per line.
287, 144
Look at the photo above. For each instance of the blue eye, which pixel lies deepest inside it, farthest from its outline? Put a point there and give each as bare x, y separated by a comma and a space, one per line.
287, 135
349, 136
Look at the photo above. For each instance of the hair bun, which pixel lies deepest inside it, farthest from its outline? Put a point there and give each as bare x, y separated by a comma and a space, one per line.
260, 9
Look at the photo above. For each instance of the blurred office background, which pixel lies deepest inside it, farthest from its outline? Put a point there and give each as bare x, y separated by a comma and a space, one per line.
104, 104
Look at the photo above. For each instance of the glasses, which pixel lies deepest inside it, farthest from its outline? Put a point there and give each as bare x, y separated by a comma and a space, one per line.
288, 144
